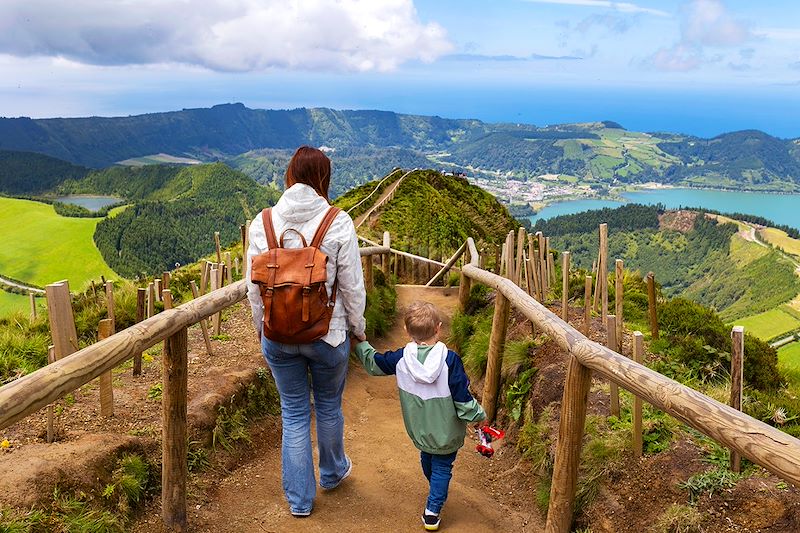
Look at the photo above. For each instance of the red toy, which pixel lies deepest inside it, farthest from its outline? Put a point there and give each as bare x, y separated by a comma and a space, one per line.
487, 434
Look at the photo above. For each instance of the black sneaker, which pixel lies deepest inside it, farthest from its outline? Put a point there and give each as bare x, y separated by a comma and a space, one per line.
430, 521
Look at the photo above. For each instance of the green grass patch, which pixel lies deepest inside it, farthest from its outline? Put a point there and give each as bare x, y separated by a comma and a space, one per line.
42, 247
11, 303
769, 324
789, 364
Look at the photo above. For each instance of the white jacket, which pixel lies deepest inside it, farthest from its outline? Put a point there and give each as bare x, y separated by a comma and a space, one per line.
302, 209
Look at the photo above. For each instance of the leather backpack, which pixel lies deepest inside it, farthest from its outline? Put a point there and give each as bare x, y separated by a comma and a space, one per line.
297, 309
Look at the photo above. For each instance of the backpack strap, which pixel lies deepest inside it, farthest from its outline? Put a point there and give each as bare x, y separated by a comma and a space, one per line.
269, 229
324, 226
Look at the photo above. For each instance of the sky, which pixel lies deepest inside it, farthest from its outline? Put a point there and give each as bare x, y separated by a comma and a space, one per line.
693, 66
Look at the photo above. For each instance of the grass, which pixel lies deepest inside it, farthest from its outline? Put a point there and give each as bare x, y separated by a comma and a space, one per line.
769, 324
10, 303
44, 247
781, 240
789, 363
679, 519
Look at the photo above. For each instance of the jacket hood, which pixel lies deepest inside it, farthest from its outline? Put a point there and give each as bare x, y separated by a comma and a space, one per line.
428, 371
300, 203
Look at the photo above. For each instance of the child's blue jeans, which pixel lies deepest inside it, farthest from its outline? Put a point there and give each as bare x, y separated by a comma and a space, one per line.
438, 469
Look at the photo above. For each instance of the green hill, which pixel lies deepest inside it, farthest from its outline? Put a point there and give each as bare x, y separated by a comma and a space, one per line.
691, 255
25, 173
176, 222
433, 214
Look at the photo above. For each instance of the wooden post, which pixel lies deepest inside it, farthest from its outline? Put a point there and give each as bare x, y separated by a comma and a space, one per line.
603, 272
246, 245
203, 323
611, 342
166, 296
395, 265
638, 351
387, 242
110, 305
151, 299
521, 238
51, 358
737, 382
618, 294
587, 306
464, 288
564, 286
533, 257
551, 264
157, 288
105, 328
215, 318
366, 261
32, 299
494, 362
568, 447
141, 298
204, 271
497, 343
165, 279
218, 247
503, 271
228, 270
62, 321
244, 239
236, 265
542, 268
174, 450
651, 304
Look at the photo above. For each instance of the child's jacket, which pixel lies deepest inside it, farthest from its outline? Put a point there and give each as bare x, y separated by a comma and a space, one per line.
434, 393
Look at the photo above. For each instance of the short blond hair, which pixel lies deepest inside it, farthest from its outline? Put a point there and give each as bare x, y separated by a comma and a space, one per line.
421, 320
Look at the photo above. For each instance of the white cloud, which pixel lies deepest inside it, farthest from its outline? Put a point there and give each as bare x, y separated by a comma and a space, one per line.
624, 7
223, 35
708, 22
704, 23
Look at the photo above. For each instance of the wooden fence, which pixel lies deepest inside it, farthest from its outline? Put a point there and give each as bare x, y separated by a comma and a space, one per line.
767, 446
39, 389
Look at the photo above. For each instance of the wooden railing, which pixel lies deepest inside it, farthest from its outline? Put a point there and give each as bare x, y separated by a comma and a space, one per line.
39, 389
764, 445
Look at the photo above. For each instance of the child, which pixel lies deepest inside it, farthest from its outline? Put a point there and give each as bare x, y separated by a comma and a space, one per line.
434, 398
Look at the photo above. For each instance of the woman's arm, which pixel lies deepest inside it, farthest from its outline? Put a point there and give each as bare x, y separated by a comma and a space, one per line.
351, 281
253, 292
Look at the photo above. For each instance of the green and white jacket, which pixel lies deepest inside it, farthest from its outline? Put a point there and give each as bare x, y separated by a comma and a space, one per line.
434, 393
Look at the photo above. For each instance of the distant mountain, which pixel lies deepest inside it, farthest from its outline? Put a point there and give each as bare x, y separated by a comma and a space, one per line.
363, 145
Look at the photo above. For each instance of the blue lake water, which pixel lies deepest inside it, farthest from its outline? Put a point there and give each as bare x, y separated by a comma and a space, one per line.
92, 203
780, 208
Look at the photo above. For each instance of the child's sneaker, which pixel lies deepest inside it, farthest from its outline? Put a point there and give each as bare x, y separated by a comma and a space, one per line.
430, 521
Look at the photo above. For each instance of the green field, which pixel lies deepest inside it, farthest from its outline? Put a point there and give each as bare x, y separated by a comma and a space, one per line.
10, 303
780, 239
770, 324
41, 247
789, 364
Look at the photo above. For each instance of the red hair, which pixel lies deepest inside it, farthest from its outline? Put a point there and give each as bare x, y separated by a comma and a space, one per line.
312, 167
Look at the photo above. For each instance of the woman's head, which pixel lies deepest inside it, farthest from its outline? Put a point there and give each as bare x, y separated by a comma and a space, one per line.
312, 167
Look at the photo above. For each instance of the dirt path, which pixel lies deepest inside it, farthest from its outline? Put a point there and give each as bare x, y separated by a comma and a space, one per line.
387, 490
359, 220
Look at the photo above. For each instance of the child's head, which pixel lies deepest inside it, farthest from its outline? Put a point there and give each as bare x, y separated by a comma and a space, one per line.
422, 321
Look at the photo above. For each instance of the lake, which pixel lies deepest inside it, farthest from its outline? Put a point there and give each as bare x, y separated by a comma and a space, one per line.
92, 203
780, 208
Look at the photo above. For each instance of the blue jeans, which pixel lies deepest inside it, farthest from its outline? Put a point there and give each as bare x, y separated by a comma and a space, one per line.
438, 469
291, 365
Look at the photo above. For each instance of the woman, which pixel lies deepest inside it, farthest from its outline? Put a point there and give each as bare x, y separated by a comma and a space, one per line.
302, 208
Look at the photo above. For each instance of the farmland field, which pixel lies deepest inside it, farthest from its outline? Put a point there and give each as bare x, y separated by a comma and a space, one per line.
10, 303
789, 363
41, 247
780, 239
769, 324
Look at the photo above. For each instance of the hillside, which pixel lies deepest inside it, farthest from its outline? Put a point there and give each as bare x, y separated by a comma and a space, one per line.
433, 214
705, 259
23, 173
363, 144
176, 222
